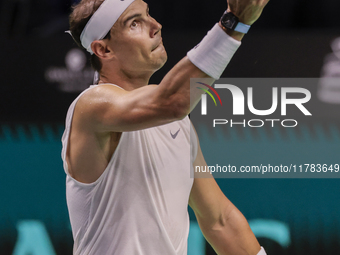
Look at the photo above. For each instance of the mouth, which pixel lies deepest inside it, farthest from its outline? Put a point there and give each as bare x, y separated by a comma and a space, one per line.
158, 44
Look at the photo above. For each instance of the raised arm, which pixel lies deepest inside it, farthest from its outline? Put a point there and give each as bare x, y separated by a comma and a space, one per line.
108, 108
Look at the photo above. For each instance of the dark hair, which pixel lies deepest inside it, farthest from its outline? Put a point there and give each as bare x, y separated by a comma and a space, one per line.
79, 17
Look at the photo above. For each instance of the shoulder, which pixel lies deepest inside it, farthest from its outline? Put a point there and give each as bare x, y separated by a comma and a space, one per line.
97, 98
93, 102
99, 94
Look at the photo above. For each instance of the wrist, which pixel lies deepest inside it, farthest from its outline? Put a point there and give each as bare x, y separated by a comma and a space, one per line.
232, 25
234, 34
214, 52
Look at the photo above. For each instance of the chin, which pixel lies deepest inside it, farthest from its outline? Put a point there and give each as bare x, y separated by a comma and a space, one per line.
164, 59
161, 61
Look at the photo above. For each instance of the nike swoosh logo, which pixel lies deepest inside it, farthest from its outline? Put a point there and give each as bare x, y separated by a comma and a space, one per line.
174, 135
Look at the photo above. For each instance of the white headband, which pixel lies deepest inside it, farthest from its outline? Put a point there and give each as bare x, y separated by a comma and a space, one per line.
102, 21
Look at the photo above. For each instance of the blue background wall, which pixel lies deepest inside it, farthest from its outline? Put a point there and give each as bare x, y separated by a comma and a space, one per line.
32, 186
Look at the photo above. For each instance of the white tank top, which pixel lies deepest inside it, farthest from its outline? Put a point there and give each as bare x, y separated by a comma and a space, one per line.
138, 206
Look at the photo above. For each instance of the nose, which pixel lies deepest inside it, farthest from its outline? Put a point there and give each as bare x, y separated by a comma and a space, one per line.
155, 27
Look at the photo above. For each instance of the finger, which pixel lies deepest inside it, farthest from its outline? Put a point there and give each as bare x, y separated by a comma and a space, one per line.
264, 2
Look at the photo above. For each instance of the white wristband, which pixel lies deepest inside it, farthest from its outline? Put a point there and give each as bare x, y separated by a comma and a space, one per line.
262, 251
214, 52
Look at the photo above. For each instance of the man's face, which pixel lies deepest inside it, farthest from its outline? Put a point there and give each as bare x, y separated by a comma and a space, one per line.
136, 40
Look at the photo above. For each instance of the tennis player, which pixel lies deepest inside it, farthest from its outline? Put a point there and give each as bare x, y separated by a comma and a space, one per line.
129, 148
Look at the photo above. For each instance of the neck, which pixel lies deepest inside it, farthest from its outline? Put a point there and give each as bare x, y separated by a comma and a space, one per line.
126, 80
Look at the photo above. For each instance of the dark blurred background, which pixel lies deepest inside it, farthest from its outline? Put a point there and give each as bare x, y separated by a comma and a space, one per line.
291, 39
42, 71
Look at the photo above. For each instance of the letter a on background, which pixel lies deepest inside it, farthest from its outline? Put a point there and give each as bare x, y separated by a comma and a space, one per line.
33, 239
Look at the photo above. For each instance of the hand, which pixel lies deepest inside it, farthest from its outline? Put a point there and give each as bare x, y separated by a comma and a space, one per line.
248, 11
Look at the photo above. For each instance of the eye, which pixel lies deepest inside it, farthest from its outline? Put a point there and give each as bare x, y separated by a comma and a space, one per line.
134, 24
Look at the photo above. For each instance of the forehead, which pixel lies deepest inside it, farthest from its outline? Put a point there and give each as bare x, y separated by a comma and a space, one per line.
138, 6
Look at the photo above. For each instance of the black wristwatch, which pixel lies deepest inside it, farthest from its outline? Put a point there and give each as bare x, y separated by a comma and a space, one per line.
230, 21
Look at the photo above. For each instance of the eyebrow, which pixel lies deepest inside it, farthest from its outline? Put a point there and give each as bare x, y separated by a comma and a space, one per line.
134, 16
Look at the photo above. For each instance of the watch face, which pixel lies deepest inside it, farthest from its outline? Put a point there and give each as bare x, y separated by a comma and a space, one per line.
229, 20
229, 23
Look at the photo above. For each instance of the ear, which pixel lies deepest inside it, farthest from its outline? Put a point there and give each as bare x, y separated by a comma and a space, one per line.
101, 49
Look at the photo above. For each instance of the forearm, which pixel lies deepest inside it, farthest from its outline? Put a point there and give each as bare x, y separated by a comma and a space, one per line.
178, 78
231, 235
207, 60
177, 84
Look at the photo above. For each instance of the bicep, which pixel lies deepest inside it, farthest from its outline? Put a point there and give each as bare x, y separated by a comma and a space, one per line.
110, 109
